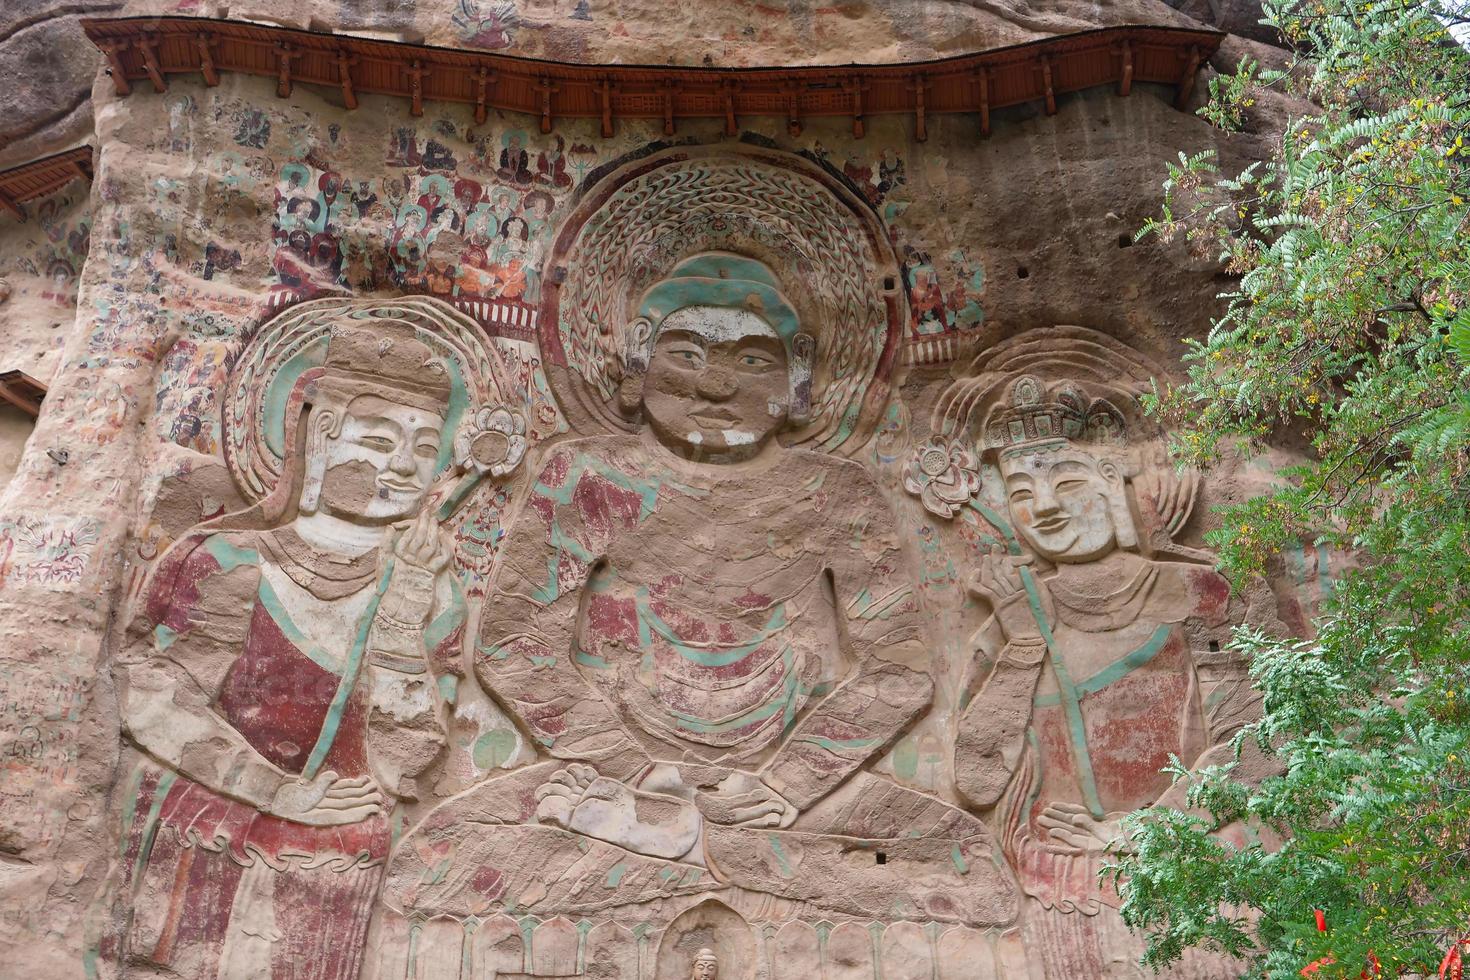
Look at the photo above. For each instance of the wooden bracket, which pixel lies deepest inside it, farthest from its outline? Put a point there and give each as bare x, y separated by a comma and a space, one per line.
285, 54
484, 81
605, 91
792, 95
855, 87
22, 391
416, 73
982, 81
345, 62
205, 44
9, 203
1125, 78
919, 85
1048, 88
545, 87
668, 89
732, 125
114, 50
1186, 81
147, 46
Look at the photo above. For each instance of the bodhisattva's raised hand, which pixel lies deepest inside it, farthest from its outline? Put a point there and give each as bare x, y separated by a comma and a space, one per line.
997, 582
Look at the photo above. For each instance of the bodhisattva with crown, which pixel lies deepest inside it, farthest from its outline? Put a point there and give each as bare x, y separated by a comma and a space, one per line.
709, 636
1095, 684
290, 670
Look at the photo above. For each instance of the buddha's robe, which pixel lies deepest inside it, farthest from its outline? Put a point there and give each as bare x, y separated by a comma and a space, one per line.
651, 615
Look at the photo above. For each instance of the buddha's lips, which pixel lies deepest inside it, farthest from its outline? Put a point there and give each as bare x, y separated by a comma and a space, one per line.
715, 419
1051, 524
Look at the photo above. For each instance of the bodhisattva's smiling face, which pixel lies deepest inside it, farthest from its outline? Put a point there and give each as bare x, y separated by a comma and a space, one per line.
381, 461
717, 386
1062, 500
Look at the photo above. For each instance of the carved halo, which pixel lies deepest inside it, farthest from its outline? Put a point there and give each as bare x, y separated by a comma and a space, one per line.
284, 348
827, 248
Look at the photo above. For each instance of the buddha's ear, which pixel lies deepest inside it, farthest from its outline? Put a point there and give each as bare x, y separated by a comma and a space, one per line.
636, 355
639, 346
321, 424
799, 369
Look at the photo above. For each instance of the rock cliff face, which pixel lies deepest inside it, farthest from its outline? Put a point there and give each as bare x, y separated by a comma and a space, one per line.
453, 549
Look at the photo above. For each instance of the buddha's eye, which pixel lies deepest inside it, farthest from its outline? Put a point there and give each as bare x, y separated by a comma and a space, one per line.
753, 360
426, 450
380, 444
1070, 486
1020, 496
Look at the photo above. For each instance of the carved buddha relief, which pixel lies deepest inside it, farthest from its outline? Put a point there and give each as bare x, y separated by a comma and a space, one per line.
710, 636
293, 664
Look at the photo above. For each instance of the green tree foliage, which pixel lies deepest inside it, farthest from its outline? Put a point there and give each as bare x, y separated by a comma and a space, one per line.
1350, 323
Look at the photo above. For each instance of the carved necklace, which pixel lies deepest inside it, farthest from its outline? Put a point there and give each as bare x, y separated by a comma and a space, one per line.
325, 574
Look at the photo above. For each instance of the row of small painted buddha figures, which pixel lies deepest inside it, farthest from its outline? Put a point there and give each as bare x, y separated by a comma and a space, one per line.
709, 637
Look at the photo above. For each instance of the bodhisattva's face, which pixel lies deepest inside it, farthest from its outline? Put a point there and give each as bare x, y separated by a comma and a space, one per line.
717, 385
380, 462
1062, 500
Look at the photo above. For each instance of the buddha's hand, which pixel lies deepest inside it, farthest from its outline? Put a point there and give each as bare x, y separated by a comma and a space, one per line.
421, 552
742, 799
327, 800
557, 799
1072, 830
578, 799
997, 581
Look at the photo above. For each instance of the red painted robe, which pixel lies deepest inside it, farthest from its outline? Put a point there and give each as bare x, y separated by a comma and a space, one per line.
222, 889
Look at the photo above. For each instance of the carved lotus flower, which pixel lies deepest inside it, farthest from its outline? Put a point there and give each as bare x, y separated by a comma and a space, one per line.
944, 475
492, 440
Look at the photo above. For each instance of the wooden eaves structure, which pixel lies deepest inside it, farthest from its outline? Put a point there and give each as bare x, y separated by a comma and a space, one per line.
22, 391
41, 177
148, 50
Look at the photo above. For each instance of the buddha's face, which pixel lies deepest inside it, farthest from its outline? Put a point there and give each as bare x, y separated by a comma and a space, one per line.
1063, 500
379, 462
717, 385
706, 968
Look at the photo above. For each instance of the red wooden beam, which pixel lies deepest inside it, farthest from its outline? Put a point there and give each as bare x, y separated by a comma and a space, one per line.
416, 73
22, 391
147, 45
1125, 77
206, 59
345, 62
1186, 79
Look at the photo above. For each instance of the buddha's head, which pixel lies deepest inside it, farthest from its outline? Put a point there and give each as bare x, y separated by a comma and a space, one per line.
706, 965
717, 365
1062, 457
375, 426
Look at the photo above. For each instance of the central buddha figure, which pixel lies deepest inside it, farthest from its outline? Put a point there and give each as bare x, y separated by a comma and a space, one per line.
710, 636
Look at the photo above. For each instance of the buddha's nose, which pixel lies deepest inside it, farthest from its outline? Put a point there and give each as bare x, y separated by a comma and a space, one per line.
402, 460
716, 384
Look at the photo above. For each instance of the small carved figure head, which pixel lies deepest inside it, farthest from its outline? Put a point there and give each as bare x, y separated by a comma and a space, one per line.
706, 965
1062, 457
374, 432
716, 361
